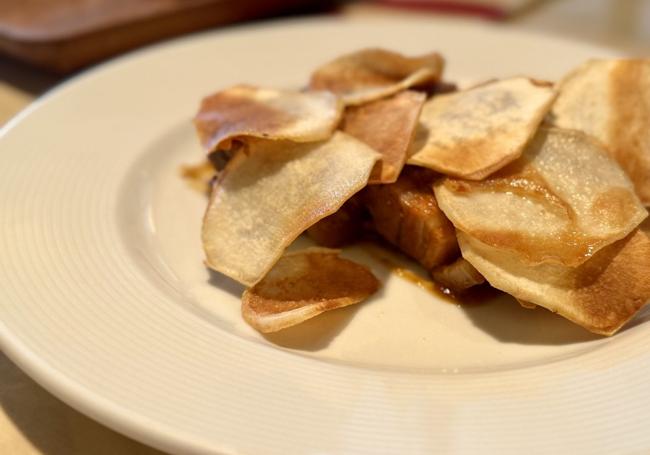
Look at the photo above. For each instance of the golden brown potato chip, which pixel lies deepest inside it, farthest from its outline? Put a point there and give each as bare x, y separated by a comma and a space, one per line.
371, 74
388, 126
263, 201
610, 100
245, 111
474, 132
562, 201
457, 276
600, 295
304, 284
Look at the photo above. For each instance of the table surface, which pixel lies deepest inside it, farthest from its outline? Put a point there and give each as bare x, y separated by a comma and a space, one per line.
32, 421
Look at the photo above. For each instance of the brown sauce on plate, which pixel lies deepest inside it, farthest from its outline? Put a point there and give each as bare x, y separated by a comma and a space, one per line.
198, 176
388, 257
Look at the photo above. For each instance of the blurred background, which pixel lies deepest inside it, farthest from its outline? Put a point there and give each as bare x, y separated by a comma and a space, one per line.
44, 42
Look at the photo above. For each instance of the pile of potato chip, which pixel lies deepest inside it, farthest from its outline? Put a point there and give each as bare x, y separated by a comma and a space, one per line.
545, 184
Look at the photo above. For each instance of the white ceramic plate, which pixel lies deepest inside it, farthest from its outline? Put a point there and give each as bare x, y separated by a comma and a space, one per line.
104, 299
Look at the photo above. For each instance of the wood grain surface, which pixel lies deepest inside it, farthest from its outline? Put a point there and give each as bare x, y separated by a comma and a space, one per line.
63, 35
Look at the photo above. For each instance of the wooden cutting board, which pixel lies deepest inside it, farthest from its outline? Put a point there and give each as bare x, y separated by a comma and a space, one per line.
63, 35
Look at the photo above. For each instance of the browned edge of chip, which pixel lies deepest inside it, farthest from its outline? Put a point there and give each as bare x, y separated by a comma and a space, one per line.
304, 284
613, 202
244, 111
488, 141
388, 125
600, 295
372, 67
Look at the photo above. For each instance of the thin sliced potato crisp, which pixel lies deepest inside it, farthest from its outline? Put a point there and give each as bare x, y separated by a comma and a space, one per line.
387, 125
263, 201
562, 201
366, 95
371, 74
472, 133
610, 100
600, 295
304, 284
244, 111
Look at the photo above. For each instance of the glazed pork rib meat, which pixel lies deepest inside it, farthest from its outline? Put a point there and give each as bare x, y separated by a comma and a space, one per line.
406, 214
342, 227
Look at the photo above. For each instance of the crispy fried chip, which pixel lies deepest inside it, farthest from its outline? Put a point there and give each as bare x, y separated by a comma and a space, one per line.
245, 111
371, 74
474, 132
610, 100
562, 201
304, 284
457, 276
263, 201
387, 125
600, 295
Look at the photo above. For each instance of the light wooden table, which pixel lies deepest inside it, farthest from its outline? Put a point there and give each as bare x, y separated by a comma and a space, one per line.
34, 422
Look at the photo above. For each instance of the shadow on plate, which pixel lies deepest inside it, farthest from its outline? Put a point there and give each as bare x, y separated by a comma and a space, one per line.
316, 333
488, 309
225, 283
505, 320
496, 314
641, 318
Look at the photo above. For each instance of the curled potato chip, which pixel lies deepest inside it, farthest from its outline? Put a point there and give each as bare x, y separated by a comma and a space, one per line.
370, 74
304, 284
263, 201
457, 276
246, 111
474, 132
601, 294
610, 100
387, 125
562, 201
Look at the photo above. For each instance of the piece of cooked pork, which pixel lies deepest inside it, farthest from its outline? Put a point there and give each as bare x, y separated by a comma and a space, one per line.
407, 215
341, 227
